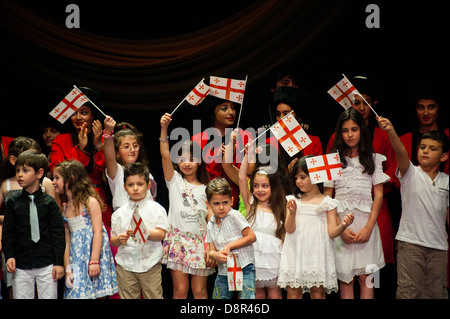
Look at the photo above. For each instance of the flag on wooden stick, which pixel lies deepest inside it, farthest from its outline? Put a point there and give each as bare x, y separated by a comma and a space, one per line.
324, 168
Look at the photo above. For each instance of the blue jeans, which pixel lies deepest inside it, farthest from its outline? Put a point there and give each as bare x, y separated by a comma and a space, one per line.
248, 287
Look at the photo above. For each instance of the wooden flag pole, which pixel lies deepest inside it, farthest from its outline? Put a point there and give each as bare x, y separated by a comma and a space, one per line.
90, 101
363, 98
242, 104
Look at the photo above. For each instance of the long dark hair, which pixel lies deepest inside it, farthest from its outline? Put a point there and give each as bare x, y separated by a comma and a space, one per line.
202, 174
365, 148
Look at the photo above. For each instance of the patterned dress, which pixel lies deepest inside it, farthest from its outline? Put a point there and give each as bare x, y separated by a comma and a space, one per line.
84, 287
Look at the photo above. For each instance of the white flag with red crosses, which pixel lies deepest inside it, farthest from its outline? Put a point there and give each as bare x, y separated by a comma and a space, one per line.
198, 94
290, 134
235, 274
344, 93
139, 229
72, 102
324, 168
227, 89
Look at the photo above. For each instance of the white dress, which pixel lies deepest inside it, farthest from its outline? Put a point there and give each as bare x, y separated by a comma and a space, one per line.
307, 257
267, 248
354, 193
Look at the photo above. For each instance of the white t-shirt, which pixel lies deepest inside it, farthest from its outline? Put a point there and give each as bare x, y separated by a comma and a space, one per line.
424, 205
119, 194
130, 257
187, 210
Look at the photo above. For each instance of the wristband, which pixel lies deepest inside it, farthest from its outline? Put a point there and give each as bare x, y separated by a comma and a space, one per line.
163, 140
94, 263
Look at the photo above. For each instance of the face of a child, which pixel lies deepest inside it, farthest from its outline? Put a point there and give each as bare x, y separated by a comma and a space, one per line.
188, 164
303, 181
220, 205
351, 133
224, 114
261, 188
49, 134
283, 110
362, 106
427, 112
81, 116
27, 178
430, 154
128, 149
58, 182
136, 187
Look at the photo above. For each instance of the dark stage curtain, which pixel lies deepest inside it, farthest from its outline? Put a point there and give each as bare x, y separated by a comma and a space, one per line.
154, 74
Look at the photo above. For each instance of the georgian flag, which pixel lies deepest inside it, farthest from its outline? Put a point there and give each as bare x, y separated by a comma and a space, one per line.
198, 94
72, 102
235, 275
324, 168
344, 93
227, 89
290, 134
139, 229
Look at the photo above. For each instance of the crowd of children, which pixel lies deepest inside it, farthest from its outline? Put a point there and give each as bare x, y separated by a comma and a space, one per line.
89, 212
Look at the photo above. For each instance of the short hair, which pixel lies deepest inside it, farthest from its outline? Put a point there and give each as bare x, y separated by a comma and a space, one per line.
34, 159
136, 169
438, 137
218, 186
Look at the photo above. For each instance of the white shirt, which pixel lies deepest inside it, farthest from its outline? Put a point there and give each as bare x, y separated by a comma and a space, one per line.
129, 256
424, 208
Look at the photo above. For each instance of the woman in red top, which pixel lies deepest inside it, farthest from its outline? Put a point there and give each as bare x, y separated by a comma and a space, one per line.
85, 145
381, 145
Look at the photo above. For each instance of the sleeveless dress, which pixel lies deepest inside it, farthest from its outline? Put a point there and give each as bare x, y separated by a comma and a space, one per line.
84, 287
308, 258
267, 248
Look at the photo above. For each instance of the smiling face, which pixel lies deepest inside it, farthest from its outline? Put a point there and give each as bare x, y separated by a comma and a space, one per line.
427, 112
82, 116
303, 181
58, 182
261, 188
224, 115
188, 164
128, 150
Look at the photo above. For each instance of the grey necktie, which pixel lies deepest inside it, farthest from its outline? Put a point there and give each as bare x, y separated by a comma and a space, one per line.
34, 220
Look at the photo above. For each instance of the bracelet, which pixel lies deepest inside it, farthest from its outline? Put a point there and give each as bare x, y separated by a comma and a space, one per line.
107, 136
94, 263
112, 132
164, 140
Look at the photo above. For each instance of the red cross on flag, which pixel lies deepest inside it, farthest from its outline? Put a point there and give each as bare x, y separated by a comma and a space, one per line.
290, 134
235, 274
227, 89
72, 102
198, 94
324, 168
139, 229
344, 93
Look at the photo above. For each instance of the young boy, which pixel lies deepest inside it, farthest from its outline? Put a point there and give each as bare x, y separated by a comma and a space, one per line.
138, 263
229, 231
422, 238
33, 233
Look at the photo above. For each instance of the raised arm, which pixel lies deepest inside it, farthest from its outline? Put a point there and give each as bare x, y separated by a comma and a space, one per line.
108, 148
397, 145
243, 177
164, 148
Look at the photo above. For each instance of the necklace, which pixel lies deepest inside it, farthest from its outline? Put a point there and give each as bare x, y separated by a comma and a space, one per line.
265, 204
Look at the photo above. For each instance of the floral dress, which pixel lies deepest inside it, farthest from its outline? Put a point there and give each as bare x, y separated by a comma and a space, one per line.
84, 287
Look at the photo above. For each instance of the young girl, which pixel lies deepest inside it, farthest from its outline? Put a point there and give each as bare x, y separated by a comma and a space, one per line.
184, 244
358, 251
265, 204
308, 258
90, 271
121, 149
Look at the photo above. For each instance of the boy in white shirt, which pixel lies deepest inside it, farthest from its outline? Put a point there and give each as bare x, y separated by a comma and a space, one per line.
229, 231
422, 237
139, 258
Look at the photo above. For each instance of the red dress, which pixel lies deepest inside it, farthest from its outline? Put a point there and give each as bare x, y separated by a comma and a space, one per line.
63, 149
382, 145
215, 167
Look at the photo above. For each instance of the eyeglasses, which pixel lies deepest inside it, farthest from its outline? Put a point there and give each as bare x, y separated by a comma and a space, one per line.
128, 148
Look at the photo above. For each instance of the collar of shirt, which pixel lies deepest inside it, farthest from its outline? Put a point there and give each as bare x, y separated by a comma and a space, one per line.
35, 194
141, 203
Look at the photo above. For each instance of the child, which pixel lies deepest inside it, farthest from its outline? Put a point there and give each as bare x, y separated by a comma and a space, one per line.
33, 245
184, 246
308, 258
229, 231
90, 271
422, 238
359, 252
265, 205
139, 267
120, 150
